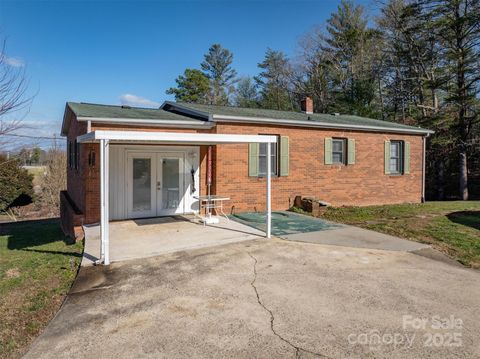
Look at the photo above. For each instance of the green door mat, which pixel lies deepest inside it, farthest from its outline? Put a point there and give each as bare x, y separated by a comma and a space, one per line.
284, 223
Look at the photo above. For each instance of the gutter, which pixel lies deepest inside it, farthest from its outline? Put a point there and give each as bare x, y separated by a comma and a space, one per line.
424, 160
223, 118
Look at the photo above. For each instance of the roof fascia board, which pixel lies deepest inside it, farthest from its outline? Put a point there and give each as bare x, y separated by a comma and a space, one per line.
227, 118
174, 137
148, 122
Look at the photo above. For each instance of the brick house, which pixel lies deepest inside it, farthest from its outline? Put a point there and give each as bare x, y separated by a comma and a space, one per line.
158, 159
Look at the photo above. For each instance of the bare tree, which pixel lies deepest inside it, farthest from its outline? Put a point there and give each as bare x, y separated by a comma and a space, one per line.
13, 97
53, 181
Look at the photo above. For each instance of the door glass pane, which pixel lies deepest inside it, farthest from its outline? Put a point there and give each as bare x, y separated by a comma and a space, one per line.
170, 183
142, 178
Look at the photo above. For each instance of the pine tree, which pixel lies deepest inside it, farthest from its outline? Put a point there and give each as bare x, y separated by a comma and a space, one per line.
457, 24
217, 68
350, 53
192, 86
246, 93
274, 81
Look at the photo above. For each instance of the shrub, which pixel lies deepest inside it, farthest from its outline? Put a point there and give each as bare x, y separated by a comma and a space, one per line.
16, 188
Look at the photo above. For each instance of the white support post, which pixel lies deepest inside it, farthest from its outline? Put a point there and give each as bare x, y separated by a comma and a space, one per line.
102, 201
104, 213
106, 202
269, 190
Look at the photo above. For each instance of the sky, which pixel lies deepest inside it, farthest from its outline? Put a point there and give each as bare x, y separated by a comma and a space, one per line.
130, 52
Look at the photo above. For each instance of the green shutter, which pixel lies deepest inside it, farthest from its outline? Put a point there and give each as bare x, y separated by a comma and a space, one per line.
328, 151
253, 150
406, 166
351, 151
284, 156
387, 157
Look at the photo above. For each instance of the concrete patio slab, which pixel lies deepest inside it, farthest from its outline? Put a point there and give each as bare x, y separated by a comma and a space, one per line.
142, 238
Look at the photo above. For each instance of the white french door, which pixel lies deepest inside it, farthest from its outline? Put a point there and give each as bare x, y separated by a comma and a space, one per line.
155, 184
170, 188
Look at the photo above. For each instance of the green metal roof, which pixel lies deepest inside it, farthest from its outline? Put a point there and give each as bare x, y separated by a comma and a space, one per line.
124, 112
331, 119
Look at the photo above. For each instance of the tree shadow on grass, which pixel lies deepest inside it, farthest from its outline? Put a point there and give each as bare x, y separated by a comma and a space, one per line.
26, 235
466, 218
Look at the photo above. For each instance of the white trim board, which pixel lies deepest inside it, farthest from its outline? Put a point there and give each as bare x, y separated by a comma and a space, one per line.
173, 137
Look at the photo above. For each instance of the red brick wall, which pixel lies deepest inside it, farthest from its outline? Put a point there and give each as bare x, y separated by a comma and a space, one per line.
363, 183
75, 178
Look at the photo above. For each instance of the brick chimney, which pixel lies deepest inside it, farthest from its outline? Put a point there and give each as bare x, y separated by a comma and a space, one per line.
307, 105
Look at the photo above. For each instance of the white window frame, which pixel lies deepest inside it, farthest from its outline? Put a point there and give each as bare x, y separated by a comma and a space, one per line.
399, 170
275, 147
343, 153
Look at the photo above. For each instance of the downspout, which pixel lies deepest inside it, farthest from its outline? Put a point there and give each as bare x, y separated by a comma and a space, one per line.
424, 159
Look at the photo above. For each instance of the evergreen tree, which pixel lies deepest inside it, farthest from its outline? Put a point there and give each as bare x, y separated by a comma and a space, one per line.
192, 86
411, 70
274, 81
16, 187
217, 68
457, 24
246, 93
351, 53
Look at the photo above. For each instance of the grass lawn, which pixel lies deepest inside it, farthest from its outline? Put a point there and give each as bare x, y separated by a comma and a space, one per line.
37, 268
451, 227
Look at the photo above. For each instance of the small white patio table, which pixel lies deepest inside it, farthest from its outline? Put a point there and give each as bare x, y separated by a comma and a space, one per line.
210, 202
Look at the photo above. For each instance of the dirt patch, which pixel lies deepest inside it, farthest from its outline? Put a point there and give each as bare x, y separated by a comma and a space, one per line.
12, 273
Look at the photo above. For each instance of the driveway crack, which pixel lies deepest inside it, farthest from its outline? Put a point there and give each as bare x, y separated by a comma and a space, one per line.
298, 350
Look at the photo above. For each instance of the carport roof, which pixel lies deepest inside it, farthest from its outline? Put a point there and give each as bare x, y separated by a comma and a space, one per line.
173, 137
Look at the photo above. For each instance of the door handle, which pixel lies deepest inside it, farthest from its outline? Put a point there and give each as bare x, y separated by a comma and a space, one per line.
159, 185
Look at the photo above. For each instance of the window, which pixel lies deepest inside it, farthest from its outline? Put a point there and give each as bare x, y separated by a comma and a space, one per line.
262, 159
280, 158
338, 150
396, 157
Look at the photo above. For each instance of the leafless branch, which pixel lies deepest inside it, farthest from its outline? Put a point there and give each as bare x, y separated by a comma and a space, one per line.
13, 97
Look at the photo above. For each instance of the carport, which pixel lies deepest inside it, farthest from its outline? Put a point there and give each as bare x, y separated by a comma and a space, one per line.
106, 137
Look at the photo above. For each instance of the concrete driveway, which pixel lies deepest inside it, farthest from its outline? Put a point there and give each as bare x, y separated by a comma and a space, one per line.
269, 299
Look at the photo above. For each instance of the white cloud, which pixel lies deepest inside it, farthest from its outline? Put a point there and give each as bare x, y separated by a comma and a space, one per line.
134, 100
13, 61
